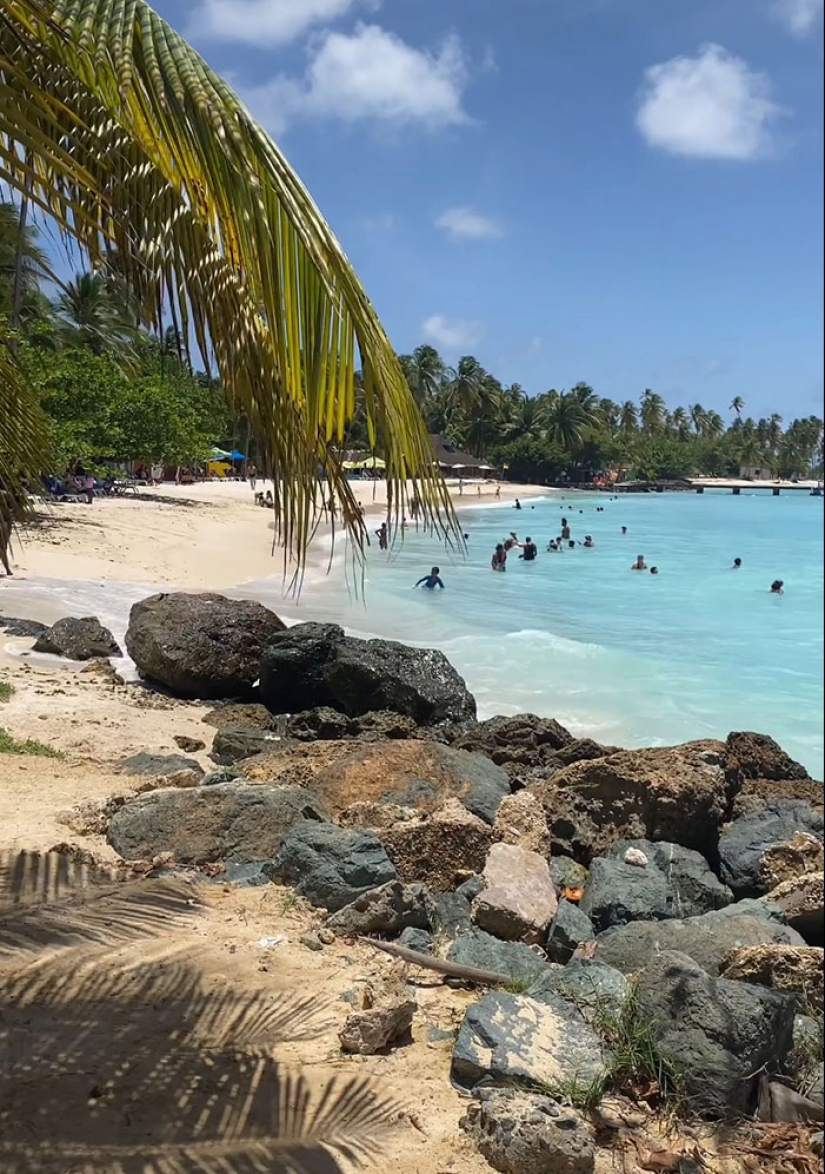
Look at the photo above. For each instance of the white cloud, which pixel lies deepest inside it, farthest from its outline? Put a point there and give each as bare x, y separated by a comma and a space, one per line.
384, 222
466, 224
266, 22
369, 74
800, 17
712, 106
453, 334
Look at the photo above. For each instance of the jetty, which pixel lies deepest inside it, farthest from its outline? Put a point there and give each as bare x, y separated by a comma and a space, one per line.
736, 486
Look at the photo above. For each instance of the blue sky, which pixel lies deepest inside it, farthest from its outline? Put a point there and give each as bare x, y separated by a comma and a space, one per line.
627, 192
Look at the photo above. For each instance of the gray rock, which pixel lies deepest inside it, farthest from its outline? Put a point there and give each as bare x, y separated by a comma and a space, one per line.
762, 910
692, 886
449, 914
200, 645
245, 876
232, 744
386, 911
471, 887
522, 742
313, 665
386, 1016
320, 724
237, 821
568, 929
312, 942
243, 715
594, 989
480, 949
513, 1039
78, 639
160, 765
706, 939
419, 940
384, 724
617, 893
527, 1133
747, 839
225, 774
567, 873
716, 1035
331, 866
26, 628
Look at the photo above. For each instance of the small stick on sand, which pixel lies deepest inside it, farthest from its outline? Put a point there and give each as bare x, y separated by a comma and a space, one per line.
440, 965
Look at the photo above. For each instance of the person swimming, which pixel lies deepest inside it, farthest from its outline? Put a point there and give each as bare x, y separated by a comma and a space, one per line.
588, 541
499, 559
432, 580
517, 504
640, 564
624, 529
737, 563
777, 587
529, 550
565, 528
571, 543
654, 570
553, 546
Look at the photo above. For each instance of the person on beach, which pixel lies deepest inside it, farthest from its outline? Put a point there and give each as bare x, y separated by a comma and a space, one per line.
498, 492
269, 500
737, 563
640, 564
529, 550
499, 559
383, 536
432, 580
461, 487
777, 587
252, 474
415, 509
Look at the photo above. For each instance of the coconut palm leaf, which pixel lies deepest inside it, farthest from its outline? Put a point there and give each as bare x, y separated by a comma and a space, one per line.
112, 124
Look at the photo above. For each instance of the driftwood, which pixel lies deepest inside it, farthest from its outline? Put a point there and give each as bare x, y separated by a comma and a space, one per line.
777, 1102
440, 965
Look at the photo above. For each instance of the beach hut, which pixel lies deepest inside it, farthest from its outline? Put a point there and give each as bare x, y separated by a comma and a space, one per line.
452, 461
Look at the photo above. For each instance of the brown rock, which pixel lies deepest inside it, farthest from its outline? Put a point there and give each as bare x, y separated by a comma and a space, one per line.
179, 778
674, 793
91, 817
189, 745
795, 969
520, 820
783, 862
386, 1015
756, 756
802, 902
251, 716
375, 816
441, 850
519, 901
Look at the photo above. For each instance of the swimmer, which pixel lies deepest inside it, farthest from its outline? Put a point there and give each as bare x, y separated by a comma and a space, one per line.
499, 559
624, 529
588, 541
517, 504
529, 550
565, 528
777, 587
572, 543
552, 546
640, 564
654, 570
383, 536
737, 563
432, 580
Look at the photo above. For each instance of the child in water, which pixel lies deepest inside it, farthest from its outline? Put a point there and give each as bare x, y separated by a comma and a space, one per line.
432, 580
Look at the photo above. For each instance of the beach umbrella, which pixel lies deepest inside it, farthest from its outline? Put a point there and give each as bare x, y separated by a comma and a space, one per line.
372, 463
236, 456
219, 454
349, 465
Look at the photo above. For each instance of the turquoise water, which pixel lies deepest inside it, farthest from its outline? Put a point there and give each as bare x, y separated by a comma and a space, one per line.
626, 658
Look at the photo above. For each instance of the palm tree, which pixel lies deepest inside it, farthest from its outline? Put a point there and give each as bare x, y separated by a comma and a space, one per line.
95, 314
23, 266
567, 421
736, 405
628, 417
714, 425
465, 388
137, 146
698, 416
652, 413
425, 372
681, 423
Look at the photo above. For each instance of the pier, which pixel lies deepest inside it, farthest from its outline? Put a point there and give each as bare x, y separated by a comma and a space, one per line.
734, 486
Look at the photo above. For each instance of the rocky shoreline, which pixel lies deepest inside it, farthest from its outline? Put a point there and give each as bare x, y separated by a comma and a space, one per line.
664, 904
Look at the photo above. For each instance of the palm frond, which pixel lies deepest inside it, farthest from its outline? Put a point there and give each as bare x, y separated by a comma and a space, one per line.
113, 125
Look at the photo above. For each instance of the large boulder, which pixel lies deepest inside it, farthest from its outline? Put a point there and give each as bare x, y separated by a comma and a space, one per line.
242, 715
692, 886
520, 820
569, 929
516, 1040
385, 911
78, 639
744, 843
231, 821
593, 988
783, 862
794, 969
706, 939
521, 743
801, 903
233, 744
675, 793
200, 645
515, 960
519, 899
715, 1035
756, 756
442, 849
617, 893
529, 1133
418, 774
318, 665
331, 866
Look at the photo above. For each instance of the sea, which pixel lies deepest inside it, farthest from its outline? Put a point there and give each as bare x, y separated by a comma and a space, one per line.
627, 658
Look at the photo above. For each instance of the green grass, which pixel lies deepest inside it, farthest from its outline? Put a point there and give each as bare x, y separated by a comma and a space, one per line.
6, 691
9, 745
805, 1061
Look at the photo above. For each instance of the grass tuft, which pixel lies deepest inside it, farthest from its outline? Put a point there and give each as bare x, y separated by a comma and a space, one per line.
10, 745
6, 691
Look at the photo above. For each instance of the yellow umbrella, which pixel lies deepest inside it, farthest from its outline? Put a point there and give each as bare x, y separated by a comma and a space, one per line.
372, 463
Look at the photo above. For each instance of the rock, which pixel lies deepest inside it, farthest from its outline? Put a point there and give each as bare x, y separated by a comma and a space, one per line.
91, 817
471, 887
594, 989
568, 930
584, 749
331, 866
520, 820
746, 840
160, 764
783, 862
675, 793
385, 724
200, 645
706, 939
312, 942
376, 817
78, 639
179, 778
417, 939
237, 821
243, 716
320, 724
801, 904
567, 874
233, 744
441, 849
692, 886
14, 626
449, 914
385, 1016
246, 876
104, 669
756, 794
514, 959
793, 969
756, 756
717, 1035
519, 900
385, 911
417, 774
313, 665
522, 742
635, 856
189, 745
225, 774
513, 1039
527, 1133
617, 893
